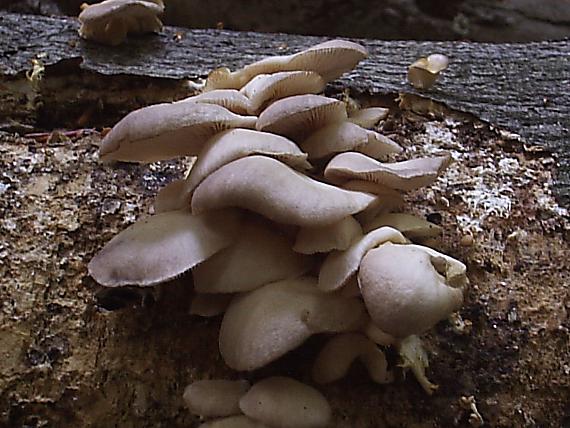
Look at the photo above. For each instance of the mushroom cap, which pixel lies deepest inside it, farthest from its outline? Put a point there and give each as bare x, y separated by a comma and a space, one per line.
411, 226
109, 22
347, 136
406, 175
209, 305
335, 359
336, 236
387, 199
403, 291
162, 246
166, 131
259, 256
423, 73
240, 421
286, 403
340, 266
270, 188
171, 197
234, 144
368, 117
266, 88
298, 116
231, 99
262, 325
215, 397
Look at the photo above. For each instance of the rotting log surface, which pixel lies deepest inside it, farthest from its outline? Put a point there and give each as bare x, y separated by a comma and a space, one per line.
521, 87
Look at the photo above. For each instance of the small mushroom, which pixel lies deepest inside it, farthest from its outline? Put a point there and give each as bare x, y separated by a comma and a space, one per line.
259, 256
209, 305
262, 325
266, 88
335, 359
340, 266
336, 236
414, 228
240, 421
161, 247
403, 291
166, 131
286, 403
298, 116
110, 21
423, 73
276, 191
215, 397
414, 356
346, 136
368, 117
407, 175
231, 99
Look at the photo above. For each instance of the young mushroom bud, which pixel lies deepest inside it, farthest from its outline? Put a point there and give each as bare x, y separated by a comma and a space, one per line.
403, 291
166, 131
110, 21
215, 398
276, 191
286, 403
423, 73
335, 359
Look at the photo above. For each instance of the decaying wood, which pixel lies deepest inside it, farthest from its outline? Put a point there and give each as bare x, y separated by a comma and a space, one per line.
72, 354
521, 87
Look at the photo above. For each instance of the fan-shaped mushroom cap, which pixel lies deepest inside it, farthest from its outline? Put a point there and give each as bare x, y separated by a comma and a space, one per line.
259, 256
161, 247
270, 188
216, 397
298, 116
240, 421
266, 88
340, 266
231, 99
406, 175
170, 197
110, 21
329, 59
423, 73
403, 291
368, 117
387, 199
339, 353
346, 136
286, 403
234, 144
165, 131
413, 227
264, 324
209, 305
336, 236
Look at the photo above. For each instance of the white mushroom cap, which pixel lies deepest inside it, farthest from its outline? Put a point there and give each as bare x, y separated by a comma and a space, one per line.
270, 188
166, 131
403, 291
298, 116
209, 305
266, 88
231, 99
286, 403
259, 256
342, 350
336, 236
340, 266
406, 175
264, 324
423, 73
109, 22
216, 397
368, 117
234, 144
347, 136
413, 227
240, 421
161, 247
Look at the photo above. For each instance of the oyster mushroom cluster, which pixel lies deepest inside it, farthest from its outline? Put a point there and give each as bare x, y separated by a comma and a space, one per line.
288, 221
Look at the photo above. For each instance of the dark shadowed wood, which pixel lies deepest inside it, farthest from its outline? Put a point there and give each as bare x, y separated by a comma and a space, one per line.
521, 87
